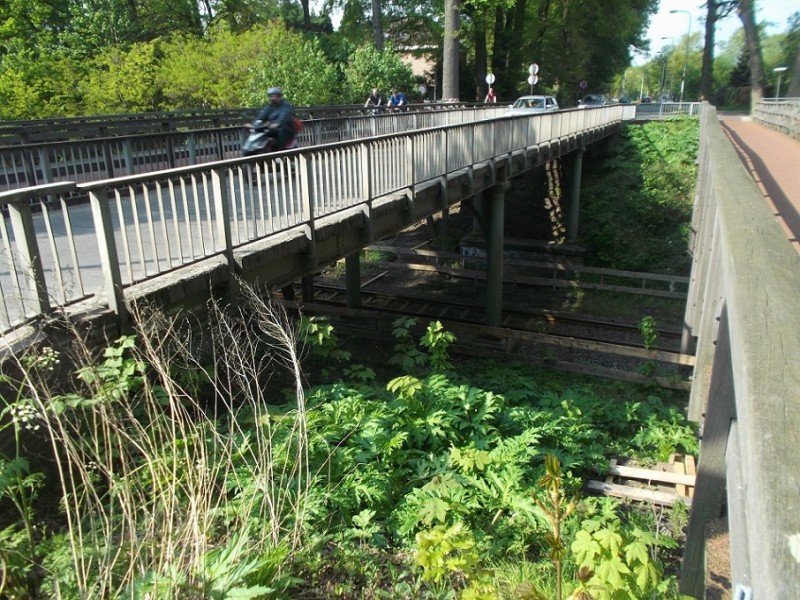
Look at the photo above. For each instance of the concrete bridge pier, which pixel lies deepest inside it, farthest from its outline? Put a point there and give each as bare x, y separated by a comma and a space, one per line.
575, 195
494, 210
307, 287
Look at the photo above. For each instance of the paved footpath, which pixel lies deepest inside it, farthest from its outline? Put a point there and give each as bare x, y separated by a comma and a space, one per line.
773, 158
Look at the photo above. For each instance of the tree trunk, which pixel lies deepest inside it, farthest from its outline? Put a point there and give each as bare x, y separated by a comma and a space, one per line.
306, 14
481, 58
377, 25
707, 74
745, 10
452, 23
793, 90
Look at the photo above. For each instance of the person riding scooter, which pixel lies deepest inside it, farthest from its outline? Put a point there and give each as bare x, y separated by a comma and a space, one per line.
274, 127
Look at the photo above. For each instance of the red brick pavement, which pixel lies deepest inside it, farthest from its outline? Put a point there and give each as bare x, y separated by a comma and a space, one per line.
773, 158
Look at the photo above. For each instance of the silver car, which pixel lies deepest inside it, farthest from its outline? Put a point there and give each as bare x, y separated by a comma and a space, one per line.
533, 104
592, 100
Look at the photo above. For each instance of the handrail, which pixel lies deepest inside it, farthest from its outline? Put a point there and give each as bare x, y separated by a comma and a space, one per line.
26, 165
743, 311
60, 250
31, 131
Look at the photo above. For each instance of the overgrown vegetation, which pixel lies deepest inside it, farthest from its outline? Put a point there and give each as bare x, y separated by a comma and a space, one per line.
638, 196
204, 467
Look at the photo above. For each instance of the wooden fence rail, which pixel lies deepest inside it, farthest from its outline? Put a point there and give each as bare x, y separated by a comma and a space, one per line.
742, 310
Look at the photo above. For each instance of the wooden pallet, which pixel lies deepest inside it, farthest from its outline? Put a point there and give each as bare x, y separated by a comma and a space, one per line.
664, 486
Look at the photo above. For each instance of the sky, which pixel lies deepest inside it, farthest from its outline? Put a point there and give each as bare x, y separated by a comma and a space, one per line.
675, 26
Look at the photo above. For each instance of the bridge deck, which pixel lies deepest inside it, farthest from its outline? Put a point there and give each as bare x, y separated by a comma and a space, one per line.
773, 159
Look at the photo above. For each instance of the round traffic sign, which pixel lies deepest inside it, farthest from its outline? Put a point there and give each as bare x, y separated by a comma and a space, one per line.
422, 89
533, 69
490, 78
533, 79
584, 84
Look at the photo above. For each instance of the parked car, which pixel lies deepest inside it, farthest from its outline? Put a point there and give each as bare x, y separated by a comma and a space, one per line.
592, 100
533, 104
647, 100
624, 100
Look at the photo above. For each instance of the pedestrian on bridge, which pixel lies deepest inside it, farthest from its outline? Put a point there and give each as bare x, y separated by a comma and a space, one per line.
398, 100
280, 116
375, 99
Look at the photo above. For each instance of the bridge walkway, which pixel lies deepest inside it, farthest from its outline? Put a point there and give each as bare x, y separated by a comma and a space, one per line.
773, 159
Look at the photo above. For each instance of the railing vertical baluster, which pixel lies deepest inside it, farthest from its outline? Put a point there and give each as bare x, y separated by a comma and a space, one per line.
127, 153
123, 230
108, 159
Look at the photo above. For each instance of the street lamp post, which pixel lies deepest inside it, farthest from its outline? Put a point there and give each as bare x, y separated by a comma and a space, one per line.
780, 71
688, 40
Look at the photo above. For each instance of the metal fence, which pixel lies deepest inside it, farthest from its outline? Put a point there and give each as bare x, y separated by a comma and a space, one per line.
781, 114
58, 249
664, 110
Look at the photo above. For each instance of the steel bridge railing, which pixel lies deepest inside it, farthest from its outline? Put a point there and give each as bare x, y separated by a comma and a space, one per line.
58, 249
83, 160
59, 129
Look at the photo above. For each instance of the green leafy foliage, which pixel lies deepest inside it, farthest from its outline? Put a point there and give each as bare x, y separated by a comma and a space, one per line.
408, 357
297, 64
368, 68
416, 485
618, 556
437, 340
647, 327
319, 337
639, 202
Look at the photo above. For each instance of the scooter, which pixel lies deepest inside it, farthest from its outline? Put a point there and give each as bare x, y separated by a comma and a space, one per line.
261, 142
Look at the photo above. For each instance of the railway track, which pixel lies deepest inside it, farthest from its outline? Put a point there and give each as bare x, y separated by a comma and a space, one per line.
540, 321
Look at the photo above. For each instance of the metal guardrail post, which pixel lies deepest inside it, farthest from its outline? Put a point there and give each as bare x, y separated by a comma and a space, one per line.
28, 247
44, 160
109, 259
365, 171
307, 194
219, 184
192, 141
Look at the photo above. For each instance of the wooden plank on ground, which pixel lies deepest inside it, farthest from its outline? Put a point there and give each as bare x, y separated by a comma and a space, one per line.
652, 475
680, 469
638, 494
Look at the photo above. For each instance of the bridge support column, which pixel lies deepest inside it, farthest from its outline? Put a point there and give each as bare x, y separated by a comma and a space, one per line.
494, 250
575, 196
307, 286
352, 279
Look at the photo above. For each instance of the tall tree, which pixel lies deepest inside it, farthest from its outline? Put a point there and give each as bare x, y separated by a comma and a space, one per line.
747, 16
793, 56
377, 25
450, 59
715, 11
